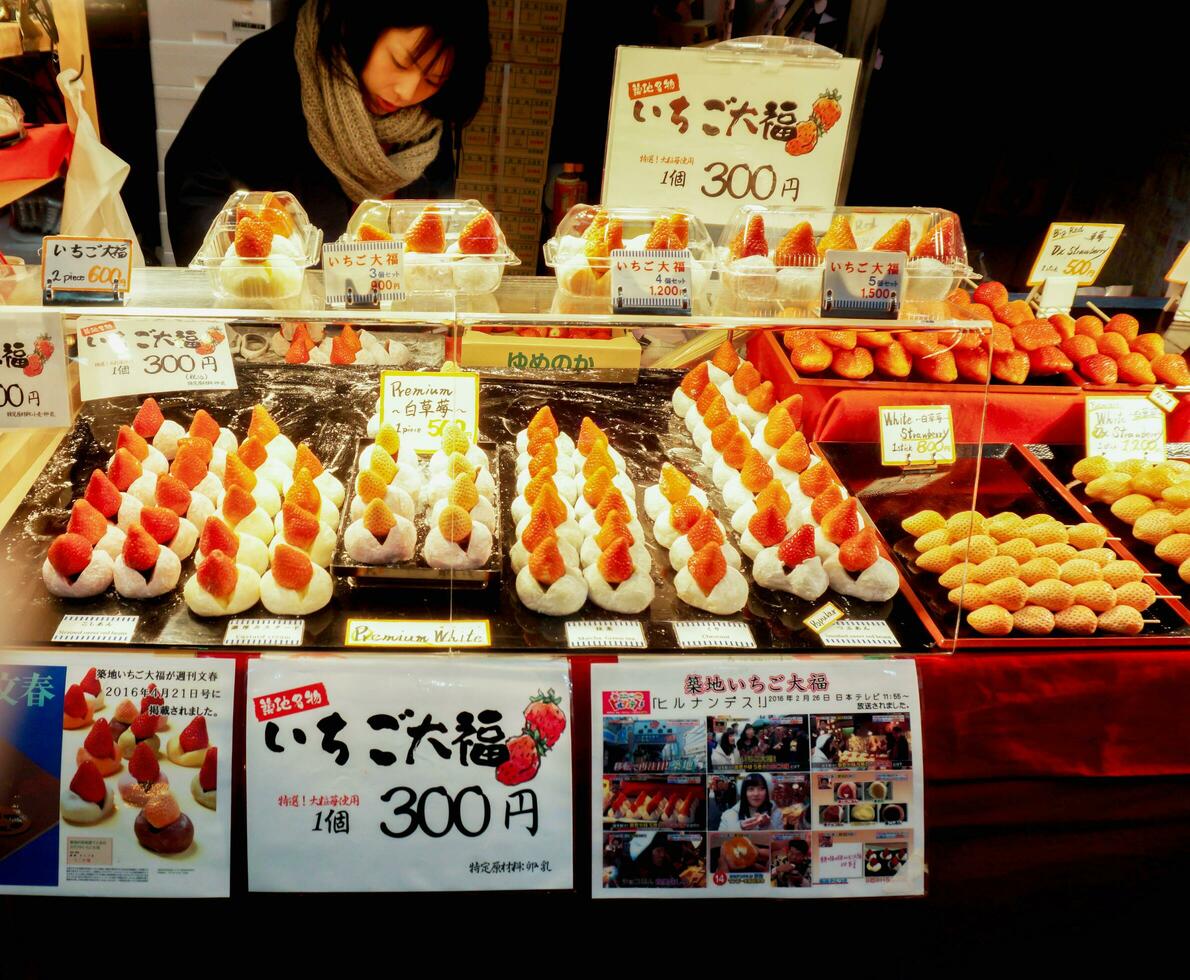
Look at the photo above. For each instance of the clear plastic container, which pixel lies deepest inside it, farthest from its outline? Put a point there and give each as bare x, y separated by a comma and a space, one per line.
789, 272
438, 257
272, 270
580, 262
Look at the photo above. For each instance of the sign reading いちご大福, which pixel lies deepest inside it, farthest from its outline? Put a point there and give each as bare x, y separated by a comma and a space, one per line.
405, 774
34, 392
754, 121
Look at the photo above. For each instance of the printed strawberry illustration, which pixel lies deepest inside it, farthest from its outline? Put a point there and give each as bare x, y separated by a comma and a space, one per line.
545, 717
523, 761
805, 140
826, 109
205, 349
44, 347
34, 367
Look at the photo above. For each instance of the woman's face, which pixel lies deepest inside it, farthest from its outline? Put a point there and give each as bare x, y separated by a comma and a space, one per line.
757, 796
749, 732
393, 79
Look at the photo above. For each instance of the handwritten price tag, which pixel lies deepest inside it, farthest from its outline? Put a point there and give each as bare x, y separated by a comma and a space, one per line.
916, 435
421, 404
452, 634
867, 284
650, 281
85, 265
120, 356
605, 633
1125, 427
1075, 249
362, 273
34, 393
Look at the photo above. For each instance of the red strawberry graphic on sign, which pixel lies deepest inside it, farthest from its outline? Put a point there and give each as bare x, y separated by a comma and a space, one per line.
34, 367
44, 348
545, 717
805, 140
523, 761
826, 110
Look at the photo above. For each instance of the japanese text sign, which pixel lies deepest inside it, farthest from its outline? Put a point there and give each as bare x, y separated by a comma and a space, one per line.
650, 280
34, 391
135, 356
362, 273
1074, 249
409, 774
863, 284
694, 128
76, 781
748, 778
1124, 427
421, 404
86, 265
916, 435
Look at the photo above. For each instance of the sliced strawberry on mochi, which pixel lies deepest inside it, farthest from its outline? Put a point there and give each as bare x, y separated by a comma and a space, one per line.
217, 536
204, 426
69, 554
707, 566
615, 563
217, 575
798, 547
148, 419
208, 774
292, 569
144, 725
86, 521
132, 441
102, 494
99, 741
143, 766
90, 682
161, 523
124, 469
88, 784
173, 494
140, 550
859, 551
74, 705
194, 735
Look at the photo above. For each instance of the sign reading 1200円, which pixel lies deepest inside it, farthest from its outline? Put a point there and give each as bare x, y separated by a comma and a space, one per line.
709, 129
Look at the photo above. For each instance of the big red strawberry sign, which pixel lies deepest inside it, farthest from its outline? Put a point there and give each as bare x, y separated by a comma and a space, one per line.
410, 774
760, 120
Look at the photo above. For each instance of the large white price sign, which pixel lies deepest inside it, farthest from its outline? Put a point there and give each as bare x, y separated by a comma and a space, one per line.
750, 778
709, 129
34, 391
115, 775
421, 404
135, 356
409, 774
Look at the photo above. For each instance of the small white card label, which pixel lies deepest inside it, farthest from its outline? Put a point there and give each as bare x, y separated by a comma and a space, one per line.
1075, 248
362, 273
863, 284
859, 633
1164, 400
1125, 427
822, 617
442, 633
95, 629
650, 280
916, 435
85, 265
264, 632
621, 634
135, 356
718, 634
34, 391
421, 404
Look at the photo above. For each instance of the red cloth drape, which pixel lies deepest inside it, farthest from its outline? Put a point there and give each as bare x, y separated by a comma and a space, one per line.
39, 156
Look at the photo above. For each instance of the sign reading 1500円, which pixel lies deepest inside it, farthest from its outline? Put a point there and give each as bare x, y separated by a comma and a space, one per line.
708, 130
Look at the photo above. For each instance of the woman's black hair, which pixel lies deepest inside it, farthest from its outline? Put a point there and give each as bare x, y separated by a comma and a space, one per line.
754, 779
723, 743
348, 31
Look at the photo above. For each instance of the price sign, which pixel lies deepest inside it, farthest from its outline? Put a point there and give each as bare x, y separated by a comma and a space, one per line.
715, 634
122, 356
444, 633
605, 633
709, 129
650, 281
34, 391
421, 404
1125, 427
362, 273
1077, 249
863, 284
916, 435
409, 774
1164, 400
85, 265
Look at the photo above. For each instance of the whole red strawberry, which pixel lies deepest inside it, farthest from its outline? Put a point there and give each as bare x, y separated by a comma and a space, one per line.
523, 761
33, 368
804, 141
826, 109
545, 719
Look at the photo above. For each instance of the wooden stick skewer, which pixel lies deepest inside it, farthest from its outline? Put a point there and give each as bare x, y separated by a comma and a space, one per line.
1098, 312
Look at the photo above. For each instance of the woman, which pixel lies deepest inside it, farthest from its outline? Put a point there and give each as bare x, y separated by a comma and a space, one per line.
755, 811
726, 754
749, 744
343, 102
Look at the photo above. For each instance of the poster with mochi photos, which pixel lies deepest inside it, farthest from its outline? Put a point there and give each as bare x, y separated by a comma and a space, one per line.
115, 775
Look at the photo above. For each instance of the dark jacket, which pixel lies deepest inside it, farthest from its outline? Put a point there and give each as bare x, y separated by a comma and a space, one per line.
247, 132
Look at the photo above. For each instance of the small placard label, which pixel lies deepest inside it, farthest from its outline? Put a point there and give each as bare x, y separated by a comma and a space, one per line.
264, 632
867, 284
1125, 427
616, 633
362, 273
650, 281
859, 633
822, 617
699, 634
418, 633
95, 629
85, 265
916, 435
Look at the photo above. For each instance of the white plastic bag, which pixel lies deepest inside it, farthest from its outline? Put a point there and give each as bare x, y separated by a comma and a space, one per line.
91, 204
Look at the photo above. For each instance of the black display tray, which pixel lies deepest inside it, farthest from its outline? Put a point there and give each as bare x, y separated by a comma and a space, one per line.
329, 407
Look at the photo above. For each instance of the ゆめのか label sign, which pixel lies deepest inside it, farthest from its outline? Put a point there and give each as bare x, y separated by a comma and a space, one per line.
1124, 427
709, 129
421, 404
135, 356
745, 778
1078, 249
916, 435
409, 774
362, 273
34, 393
101, 267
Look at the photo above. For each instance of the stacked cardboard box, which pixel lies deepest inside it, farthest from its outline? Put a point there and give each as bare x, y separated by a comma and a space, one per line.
506, 148
188, 41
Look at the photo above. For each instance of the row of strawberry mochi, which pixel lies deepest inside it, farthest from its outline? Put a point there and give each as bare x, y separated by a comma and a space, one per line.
261, 514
